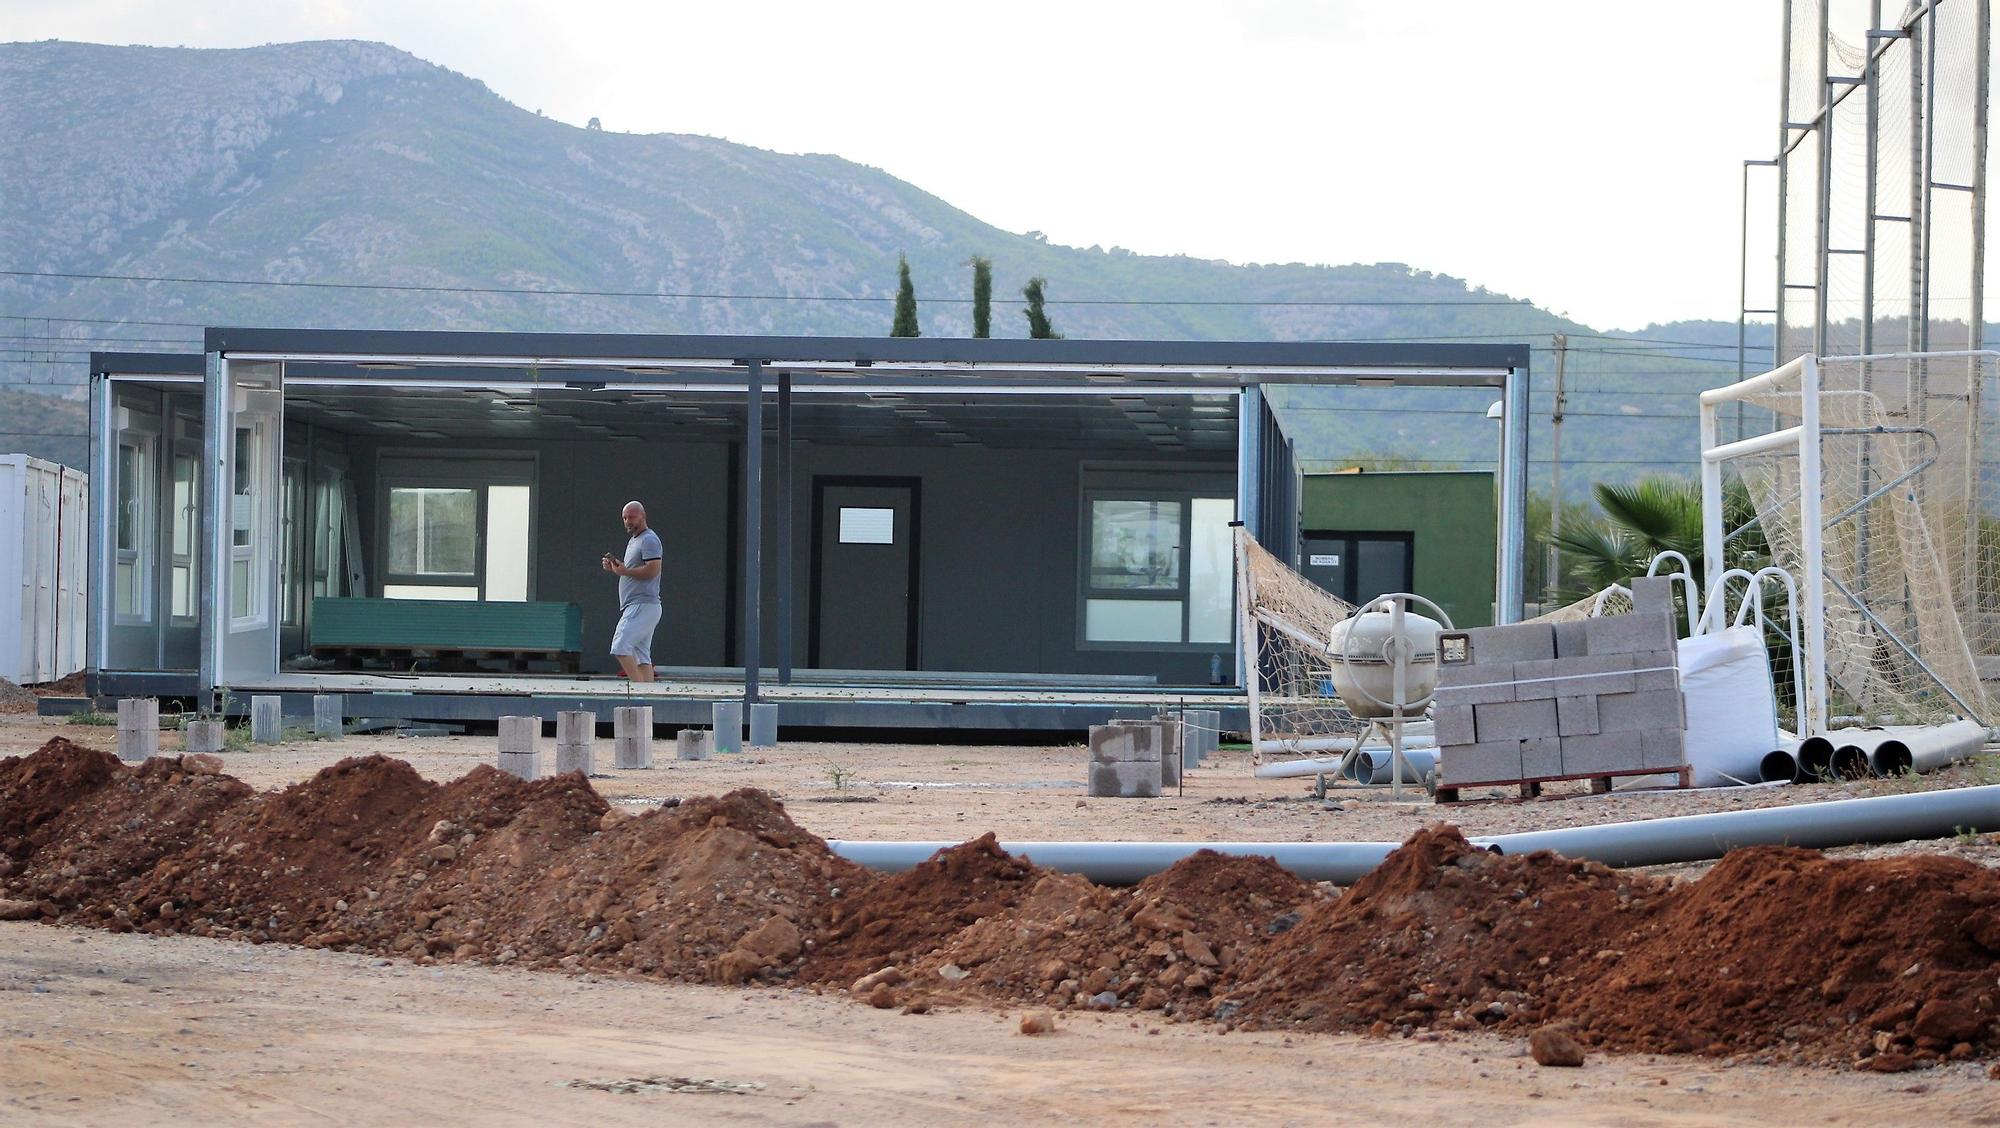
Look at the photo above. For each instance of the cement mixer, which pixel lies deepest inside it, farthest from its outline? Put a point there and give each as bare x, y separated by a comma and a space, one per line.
1385, 669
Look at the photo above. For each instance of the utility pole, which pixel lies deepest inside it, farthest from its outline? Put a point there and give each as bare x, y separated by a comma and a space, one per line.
1554, 576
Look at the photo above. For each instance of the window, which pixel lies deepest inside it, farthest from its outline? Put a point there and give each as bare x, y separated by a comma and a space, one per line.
455, 532
291, 591
181, 591
1158, 569
249, 539
133, 588
329, 576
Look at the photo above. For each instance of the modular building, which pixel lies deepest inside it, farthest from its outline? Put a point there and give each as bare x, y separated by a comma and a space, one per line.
1430, 532
871, 532
43, 531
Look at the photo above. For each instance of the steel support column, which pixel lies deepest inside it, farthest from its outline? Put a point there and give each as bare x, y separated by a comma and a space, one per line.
785, 527
753, 527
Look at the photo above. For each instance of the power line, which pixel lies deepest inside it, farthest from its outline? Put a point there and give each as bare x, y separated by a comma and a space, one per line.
407, 287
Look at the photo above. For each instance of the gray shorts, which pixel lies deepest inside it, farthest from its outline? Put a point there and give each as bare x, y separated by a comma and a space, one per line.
634, 636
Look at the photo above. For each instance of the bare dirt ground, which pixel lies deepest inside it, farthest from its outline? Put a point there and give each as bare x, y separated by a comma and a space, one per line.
100, 1028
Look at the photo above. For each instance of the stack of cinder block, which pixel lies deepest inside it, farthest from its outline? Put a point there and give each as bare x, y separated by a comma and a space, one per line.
1533, 701
1128, 759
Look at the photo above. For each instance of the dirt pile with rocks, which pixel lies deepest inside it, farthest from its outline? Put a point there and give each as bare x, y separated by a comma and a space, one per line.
1774, 953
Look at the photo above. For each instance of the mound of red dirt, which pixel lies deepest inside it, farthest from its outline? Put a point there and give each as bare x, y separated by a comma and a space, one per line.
1156, 946
1786, 951
1443, 934
911, 914
38, 787
1774, 953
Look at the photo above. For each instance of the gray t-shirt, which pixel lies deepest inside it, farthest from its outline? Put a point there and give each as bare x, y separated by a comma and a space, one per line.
638, 550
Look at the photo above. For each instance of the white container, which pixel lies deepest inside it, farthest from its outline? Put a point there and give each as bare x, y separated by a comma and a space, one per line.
44, 516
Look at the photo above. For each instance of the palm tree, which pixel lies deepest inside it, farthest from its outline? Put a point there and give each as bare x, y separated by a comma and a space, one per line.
1641, 520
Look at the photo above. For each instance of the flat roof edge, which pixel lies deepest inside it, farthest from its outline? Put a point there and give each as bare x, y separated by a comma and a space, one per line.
730, 349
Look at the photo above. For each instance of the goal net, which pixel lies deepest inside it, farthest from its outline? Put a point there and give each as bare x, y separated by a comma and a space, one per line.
1287, 623
1903, 562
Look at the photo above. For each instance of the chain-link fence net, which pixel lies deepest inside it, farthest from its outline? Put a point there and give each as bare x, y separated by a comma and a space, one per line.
1881, 200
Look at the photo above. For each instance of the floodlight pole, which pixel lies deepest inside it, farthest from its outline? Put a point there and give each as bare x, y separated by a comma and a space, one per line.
753, 527
1507, 593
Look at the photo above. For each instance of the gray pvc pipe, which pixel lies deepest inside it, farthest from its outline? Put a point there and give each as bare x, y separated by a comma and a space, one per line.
1815, 757
1928, 749
1128, 863
1780, 765
1372, 766
1649, 842
1843, 822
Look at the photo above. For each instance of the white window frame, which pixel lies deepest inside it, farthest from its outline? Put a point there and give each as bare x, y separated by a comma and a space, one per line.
415, 469
1182, 594
257, 552
145, 442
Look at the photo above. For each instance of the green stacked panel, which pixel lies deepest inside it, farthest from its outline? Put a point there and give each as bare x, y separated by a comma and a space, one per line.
445, 624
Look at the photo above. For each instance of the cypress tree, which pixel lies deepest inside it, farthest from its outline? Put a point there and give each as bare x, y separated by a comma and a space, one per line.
905, 324
1038, 321
982, 296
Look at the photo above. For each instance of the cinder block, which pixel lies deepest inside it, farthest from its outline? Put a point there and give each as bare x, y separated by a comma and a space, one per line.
1474, 673
632, 737
1631, 634
1125, 779
267, 719
1168, 735
203, 736
764, 725
1655, 710
692, 744
1541, 758
1605, 752
1536, 680
1487, 684
1515, 642
1124, 742
1453, 724
1592, 674
1572, 639
138, 728
1663, 749
1652, 594
1658, 669
520, 764
1576, 716
576, 733
1493, 761
1515, 720
329, 723
727, 717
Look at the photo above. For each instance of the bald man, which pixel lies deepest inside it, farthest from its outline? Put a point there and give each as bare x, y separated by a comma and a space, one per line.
638, 595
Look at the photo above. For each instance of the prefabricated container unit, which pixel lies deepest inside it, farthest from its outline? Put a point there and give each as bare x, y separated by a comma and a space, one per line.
44, 511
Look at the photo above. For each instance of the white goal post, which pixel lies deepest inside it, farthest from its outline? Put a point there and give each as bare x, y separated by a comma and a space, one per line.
1869, 483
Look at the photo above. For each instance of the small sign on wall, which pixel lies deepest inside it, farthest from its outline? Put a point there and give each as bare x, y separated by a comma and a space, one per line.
1324, 560
867, 526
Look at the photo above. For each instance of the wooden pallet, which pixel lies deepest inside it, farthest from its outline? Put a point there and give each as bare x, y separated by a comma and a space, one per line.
451, 659
1600, 782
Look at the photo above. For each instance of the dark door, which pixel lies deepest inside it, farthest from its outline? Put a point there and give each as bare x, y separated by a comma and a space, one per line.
1358, 566
864, 574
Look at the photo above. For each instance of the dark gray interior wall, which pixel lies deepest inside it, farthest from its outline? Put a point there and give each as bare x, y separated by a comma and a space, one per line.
579, 490
1000, 558
999, 548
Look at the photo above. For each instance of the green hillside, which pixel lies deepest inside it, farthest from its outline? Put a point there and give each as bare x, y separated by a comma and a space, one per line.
349, 162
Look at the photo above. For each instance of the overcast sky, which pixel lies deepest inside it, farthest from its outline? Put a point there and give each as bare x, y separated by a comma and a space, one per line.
1585, 154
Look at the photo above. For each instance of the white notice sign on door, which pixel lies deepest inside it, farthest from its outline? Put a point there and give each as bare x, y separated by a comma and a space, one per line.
1324, 560
867, 526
